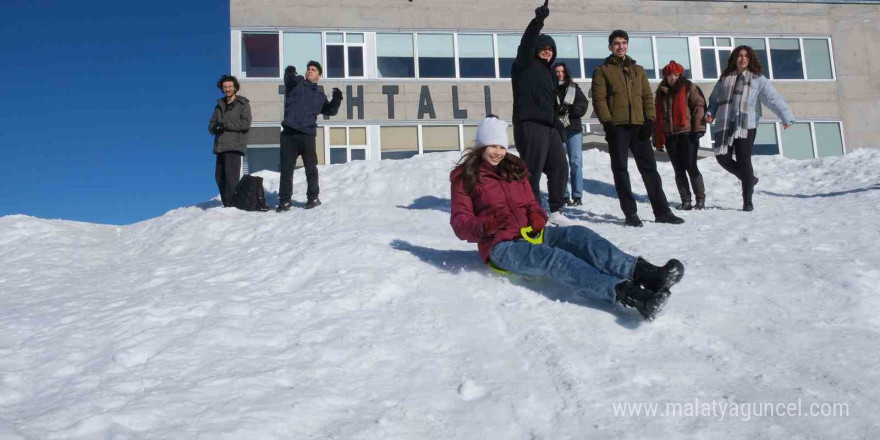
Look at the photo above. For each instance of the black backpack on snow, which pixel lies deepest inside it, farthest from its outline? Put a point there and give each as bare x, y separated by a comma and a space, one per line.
249, 195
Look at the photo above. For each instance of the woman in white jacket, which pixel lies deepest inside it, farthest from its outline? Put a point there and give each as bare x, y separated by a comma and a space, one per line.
735, 107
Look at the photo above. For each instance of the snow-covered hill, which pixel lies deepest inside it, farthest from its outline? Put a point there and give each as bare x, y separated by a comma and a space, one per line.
367, 319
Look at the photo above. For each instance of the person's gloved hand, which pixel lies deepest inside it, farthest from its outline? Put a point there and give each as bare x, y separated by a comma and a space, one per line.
495, 222
537, 222
609, 128
542, 12
220, 127
647, 130
290, 70
337, 94
563, 109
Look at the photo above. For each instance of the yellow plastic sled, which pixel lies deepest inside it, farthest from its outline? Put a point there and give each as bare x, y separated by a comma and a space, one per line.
525, 234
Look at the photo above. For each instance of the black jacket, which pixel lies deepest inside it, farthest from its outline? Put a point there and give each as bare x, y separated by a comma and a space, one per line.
238, 122
575, 111
303, 102
533, 79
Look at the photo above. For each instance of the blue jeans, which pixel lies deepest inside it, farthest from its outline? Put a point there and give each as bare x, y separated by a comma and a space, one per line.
574, 145
574, 256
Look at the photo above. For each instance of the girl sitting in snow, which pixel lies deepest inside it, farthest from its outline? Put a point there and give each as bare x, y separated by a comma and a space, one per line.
492, 202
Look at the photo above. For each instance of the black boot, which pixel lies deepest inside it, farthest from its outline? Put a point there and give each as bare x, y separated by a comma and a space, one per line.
568, 202
284, 206
670, 218
576, 201
747, 198
655, 278
634, 221
686, 206
648, 303
313, 203
701, 203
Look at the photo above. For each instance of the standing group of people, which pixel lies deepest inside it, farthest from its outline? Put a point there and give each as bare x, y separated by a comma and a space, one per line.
495, 196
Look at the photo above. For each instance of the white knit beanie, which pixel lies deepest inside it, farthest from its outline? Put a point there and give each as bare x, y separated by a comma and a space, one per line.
492, 131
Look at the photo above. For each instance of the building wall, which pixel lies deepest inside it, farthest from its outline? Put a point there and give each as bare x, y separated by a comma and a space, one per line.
854, 29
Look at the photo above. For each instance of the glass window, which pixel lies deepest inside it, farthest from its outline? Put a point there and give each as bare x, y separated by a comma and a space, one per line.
710, 68
595, 52
760, 48
787, 63
765, 140
335, 66
818, 58
337, 47
641, 50
797, 141
436, 56
357, 136
567, 48
507, 45
337, 136
470, 135
335, 38
439, 138
674, 48
707, 41
261, 158
300, 48
338, 155
354, 38
723, 59
260, 55
399, 142
723, 42
476, 56
358, 154
394, 55
829, 142
355, 61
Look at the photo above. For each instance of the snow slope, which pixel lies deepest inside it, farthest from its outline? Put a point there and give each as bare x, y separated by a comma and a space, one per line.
367, 319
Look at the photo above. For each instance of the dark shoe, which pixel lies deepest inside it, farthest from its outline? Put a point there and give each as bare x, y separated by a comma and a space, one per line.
686, 206
634, 221
568, 202
670, 218
313, 203
701, 203
748, 207
755, 181
576, 201
284, 206
648, 303
655, 278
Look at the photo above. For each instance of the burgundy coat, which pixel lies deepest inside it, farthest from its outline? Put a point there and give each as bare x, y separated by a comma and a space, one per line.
492, 194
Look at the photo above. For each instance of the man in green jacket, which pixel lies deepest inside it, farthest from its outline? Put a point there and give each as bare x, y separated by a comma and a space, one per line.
229, 124
624, 104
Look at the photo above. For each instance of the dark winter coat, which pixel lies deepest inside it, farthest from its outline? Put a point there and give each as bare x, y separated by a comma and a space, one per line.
621, 93
492, 195
303, 102
575, 111
238, 122
533, 79
696, 119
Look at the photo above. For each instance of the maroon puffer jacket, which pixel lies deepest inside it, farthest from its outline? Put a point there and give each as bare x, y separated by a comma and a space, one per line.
492, 195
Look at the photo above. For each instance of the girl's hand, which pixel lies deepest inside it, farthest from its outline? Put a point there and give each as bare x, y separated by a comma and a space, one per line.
785, 126
710, 118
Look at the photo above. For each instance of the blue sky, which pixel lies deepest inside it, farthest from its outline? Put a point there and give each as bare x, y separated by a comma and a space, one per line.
107, 105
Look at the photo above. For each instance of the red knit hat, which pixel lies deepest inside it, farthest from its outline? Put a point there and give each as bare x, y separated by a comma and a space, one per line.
673, 68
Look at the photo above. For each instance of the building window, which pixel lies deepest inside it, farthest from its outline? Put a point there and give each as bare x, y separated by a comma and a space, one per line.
567, 52
765, 140
300, 48
507, 45
818, 58
595, 52
395, 56
674, 48
347, 143
260, 55
439, 138
785, 54
476, 56
829, 141
469, 135
759, 45
714, 53
436, 56
399, 142
797, 140
642, 50
345, 55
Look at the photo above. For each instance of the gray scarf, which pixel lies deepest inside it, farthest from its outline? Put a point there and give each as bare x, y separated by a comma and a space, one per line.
570, 92
732, 115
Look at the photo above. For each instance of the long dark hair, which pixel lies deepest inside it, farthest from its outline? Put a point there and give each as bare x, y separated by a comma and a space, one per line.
510, 168
754, 64
566, 79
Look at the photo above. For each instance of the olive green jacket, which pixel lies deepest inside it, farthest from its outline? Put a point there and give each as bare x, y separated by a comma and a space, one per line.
621, 93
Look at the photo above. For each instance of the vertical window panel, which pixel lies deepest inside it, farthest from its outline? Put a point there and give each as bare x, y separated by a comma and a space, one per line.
319, 147
787, 63
829, 141
818, 57
765, 140
337, 136
674, 48
797, 141
476, 56
335, 66
260, 55
338, 155
358, 154
567, 52
439, 138
595, 51
507, 45
436, 56
399, 142
710, 68
355, 61
723, 59
357, 136
641, 50
300, 48
394, 55
760, 48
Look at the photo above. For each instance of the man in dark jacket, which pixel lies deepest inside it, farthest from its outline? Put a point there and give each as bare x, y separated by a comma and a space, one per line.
534, 113
303, 102
229, 124
624, 105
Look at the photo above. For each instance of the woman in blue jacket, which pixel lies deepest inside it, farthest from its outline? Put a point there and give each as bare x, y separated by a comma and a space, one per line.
735, 107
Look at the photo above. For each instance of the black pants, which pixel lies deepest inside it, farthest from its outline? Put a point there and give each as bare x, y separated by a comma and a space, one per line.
682, 149
742, 166
542, 150
227, 173
295, 144
624, 141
